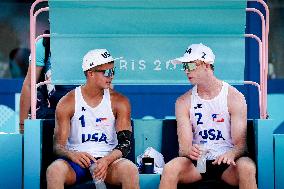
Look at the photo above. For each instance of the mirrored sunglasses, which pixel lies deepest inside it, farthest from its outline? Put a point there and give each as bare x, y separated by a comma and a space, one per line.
187, 66
108, 72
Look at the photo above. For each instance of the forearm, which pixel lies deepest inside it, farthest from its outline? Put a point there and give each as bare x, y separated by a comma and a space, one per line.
185, 144
25, 103
113, 155
61, 151
238, 150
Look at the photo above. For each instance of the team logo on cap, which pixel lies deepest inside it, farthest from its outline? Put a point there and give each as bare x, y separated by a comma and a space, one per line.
188, 50
105, 55
204, 54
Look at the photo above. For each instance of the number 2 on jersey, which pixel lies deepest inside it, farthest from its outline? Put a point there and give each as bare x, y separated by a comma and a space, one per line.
199, 116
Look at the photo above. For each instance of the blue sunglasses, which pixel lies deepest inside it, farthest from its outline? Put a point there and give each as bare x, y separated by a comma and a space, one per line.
107, 73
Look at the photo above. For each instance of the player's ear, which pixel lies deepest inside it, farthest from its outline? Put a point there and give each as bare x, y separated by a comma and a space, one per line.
207, 66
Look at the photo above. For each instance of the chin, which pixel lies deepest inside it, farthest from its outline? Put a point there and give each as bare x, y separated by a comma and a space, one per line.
191, 81
107, 86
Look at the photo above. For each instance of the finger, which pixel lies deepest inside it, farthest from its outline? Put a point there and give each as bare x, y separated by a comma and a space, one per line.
196, 151
79, 163
220, 160
99, 166
229, 161
195, 146
83, 161
215, 161
105, 175
225, 160
87, 160
193, 157
100, 173
195, 154
90, 157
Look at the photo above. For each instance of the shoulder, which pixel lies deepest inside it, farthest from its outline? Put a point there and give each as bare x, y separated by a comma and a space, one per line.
118, 100
184, 100
234, 94
66, 103
235, 98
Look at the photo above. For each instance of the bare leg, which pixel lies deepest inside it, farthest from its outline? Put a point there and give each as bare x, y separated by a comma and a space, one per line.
58, 174
243, 174
178, 170
123, 172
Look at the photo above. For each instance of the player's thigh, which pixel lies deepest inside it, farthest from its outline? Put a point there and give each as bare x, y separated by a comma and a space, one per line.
121, 169
231, 174
61, 169
184, 169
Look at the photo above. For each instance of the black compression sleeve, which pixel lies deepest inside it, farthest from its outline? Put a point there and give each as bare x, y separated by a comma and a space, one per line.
124, 142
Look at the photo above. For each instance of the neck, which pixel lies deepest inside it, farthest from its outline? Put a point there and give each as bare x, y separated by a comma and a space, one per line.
210, 87
92, 91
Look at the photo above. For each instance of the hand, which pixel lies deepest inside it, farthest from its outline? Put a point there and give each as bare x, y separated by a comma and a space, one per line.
100, 172
82, 158
21, 128
226, 158
195, 152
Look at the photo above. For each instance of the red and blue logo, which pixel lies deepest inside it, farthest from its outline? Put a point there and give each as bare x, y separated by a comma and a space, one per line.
217, 118
99, 120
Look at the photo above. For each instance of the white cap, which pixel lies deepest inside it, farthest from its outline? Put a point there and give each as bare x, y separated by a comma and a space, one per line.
97, 57
196, 52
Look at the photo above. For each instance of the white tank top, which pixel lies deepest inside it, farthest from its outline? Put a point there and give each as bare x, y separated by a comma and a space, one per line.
211, 122
92, 129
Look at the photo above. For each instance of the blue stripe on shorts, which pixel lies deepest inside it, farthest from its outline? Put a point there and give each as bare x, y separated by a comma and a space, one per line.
82, 174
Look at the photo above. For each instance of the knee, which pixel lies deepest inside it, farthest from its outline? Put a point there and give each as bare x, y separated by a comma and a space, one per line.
246, 167
169, 170
130, 170
54, 171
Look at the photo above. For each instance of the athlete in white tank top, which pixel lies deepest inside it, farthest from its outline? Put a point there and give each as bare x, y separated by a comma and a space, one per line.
213, 113
93, 121
92, 129
211, 122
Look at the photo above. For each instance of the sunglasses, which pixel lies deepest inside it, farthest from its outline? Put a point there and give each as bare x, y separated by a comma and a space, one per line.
107, 73
187, 66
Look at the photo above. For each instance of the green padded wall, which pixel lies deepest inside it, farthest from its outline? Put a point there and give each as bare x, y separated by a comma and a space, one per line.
147, 34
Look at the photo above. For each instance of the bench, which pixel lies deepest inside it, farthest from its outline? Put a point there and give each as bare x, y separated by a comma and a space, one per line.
159, 134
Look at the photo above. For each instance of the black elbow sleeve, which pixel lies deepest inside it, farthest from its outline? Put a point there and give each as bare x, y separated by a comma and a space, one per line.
124, 142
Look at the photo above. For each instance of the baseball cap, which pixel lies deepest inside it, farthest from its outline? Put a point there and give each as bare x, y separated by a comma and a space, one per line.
97, 57
196, 52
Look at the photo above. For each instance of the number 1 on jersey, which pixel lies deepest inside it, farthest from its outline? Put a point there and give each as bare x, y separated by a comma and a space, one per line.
82, 119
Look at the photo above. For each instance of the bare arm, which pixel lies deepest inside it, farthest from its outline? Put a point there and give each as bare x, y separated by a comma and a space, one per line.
238, 110
184, 128
121, 110
64, 112
25, 98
